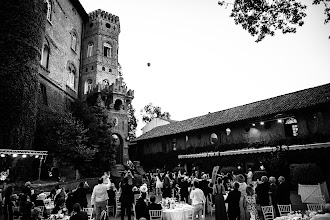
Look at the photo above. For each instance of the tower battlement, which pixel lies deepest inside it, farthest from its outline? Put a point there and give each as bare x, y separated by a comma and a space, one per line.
94, 15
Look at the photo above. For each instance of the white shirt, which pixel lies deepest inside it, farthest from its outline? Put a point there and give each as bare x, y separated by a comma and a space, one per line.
197, 196
99, 194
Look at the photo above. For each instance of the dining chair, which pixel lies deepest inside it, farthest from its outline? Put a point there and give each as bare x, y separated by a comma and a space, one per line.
314, 207
211, 206
42, 209
284, 209
16, 214
111, 208
156, 214
268, 212
118, 205
89, 212
190, 215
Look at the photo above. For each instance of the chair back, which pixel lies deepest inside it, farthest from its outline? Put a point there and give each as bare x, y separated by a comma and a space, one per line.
268, 212
111, 208
42, 209
156, 214
103, 215
284, 209
118, 204
314, 207
89, 212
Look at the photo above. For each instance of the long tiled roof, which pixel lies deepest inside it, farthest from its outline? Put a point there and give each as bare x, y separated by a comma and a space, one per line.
268, 107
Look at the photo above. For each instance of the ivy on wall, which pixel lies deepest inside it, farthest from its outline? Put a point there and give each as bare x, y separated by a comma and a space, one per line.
21, 34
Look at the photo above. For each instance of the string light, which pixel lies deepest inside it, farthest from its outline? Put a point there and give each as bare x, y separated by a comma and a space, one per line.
36, 156
262, 123
24, 155
2, 155
14, 155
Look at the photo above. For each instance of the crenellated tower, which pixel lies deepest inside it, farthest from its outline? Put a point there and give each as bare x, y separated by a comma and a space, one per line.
101, 78
100, 51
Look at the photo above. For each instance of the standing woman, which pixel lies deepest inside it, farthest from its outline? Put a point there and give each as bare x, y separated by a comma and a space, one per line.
8, 205
159, 184
220, 208
250, 204
242, 188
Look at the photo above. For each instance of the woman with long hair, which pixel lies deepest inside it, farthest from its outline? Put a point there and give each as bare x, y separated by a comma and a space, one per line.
159, 184
218, 192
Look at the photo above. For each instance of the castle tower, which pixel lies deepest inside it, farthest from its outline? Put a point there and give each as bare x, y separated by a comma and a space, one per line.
100, 51
101, 76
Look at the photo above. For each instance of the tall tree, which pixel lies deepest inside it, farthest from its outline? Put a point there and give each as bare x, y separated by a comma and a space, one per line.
132, 122
64, 137
150, 112
264, 17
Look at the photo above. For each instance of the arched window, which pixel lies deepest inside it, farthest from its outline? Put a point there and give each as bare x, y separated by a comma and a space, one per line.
88, 86
90, 49
107, 49
71, 75
74, 40
49, 10
105, 82
291, 127
45, 56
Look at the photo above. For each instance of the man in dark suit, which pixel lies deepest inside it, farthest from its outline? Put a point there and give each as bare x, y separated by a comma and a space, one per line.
153, 205
79, 215
233, 202
283, 192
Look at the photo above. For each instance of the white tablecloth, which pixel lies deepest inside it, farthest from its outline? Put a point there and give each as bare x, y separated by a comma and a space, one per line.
180, 212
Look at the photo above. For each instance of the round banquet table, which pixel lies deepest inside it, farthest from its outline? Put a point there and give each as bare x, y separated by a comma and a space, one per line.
180, 212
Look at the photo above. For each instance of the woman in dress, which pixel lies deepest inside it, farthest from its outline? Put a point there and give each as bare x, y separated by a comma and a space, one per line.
159, 184
220, 208
250, 205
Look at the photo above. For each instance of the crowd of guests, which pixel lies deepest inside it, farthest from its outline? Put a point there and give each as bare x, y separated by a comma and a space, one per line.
29, 205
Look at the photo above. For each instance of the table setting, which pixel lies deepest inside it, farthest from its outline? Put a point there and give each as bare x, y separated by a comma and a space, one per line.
298, 215
173, 210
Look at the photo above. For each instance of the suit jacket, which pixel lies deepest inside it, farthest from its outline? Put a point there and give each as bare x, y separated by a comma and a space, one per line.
141, 209
79, 216
233, 202
283, 194
262, 191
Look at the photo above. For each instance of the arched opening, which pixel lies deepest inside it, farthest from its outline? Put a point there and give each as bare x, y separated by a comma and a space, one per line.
117, 141
45, 56
213, 138
118, 104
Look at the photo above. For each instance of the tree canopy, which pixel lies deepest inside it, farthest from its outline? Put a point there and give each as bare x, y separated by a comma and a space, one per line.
150, 112
132, 122
264, 17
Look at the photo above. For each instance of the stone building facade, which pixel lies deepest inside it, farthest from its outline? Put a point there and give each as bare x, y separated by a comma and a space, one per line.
79, 59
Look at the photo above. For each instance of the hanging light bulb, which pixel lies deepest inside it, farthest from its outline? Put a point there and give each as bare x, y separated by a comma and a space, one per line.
36, 156
14, 155
279, 120
2, 155
262, 123
24, 155
253, 124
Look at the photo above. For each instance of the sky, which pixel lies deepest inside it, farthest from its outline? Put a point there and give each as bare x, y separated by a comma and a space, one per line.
201, 62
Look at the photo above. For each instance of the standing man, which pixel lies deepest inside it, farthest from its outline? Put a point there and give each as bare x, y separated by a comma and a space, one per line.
283, 192
99, 199
197, 200
233, 203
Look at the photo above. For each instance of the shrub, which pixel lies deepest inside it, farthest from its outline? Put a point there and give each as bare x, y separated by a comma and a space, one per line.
306, 174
